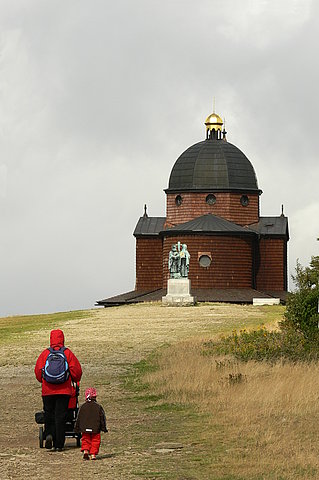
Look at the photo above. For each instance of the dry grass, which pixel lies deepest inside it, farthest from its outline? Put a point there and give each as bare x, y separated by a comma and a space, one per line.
262, 418
108, 342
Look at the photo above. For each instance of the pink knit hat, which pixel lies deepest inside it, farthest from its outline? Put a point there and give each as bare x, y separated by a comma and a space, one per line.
90, 393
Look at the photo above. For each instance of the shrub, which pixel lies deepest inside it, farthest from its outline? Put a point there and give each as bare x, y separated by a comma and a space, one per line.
302, 305
302, 313
263, 345
298, 337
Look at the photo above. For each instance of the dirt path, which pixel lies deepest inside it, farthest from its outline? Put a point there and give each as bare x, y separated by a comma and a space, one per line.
107, 342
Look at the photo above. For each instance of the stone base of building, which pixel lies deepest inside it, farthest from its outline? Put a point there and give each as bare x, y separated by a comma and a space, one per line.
178, 293
266, 301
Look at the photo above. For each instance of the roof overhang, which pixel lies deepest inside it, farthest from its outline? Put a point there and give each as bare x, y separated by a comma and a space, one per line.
208, 225
272, 227
212, 190
267, 227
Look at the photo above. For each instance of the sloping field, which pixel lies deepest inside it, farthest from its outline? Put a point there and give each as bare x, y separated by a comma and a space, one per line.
148, 437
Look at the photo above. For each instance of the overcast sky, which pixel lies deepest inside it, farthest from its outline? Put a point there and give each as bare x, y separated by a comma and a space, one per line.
97, 101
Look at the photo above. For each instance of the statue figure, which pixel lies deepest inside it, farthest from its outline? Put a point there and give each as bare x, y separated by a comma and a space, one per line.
174, 262
178, 261
185, 256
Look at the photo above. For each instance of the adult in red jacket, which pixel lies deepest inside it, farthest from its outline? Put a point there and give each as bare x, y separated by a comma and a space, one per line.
56, 396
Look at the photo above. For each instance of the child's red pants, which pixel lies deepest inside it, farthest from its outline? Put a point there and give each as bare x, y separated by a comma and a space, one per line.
91, 442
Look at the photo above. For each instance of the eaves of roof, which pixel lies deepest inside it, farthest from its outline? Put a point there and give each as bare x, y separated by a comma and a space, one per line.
149, 226
274, 227
208, 225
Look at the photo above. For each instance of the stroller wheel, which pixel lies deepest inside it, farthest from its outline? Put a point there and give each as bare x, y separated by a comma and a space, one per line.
41, 436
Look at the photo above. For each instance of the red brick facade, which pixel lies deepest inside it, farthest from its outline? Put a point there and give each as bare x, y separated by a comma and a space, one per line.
231, 265
227, 206
149, 263
272, 271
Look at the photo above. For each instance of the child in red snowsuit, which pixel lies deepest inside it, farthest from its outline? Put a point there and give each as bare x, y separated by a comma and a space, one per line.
90, 422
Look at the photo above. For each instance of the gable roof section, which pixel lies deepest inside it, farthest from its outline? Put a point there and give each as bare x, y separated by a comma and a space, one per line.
209, 225
275, 227
149, 226
272, 227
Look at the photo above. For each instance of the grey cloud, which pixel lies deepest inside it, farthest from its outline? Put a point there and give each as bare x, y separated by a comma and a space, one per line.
98, 99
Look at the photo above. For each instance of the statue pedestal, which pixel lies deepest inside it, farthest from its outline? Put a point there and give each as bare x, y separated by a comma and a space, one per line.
178, 293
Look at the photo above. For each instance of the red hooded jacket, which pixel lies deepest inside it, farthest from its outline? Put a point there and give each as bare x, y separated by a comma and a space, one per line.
56, 342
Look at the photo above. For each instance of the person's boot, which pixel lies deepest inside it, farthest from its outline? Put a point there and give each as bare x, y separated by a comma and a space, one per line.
48, 442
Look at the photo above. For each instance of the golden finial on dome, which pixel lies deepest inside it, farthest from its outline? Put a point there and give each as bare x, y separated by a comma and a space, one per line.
213, 122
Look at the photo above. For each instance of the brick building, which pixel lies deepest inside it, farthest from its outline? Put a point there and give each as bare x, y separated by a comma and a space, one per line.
212, 205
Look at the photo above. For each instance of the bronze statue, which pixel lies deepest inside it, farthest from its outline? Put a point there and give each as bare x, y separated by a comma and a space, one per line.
185, 256
178, 261
174, 262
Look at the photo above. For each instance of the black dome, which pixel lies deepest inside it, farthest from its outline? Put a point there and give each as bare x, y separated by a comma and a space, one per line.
213, 165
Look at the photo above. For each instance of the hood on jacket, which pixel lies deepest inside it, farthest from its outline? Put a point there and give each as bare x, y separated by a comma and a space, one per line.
56, 338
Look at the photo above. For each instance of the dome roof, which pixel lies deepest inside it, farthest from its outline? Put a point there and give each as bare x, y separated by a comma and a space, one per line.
213, 165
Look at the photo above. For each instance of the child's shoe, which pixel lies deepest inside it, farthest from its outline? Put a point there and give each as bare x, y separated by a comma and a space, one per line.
93, 457
86, 455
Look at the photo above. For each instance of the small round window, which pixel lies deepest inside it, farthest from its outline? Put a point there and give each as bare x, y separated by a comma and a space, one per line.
178, 200
244, 200
211, 199
205, 261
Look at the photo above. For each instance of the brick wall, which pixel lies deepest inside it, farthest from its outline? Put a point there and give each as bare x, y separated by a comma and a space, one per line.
231, 265
149, 263
227, 206
272, 269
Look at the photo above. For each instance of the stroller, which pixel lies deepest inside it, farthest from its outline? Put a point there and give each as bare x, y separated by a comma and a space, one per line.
70, 421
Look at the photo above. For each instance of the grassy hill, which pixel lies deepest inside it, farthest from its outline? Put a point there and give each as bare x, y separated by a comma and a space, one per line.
173, 412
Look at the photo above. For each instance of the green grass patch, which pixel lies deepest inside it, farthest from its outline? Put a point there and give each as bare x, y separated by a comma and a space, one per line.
147, 398
167, 407
13, 327
132, 380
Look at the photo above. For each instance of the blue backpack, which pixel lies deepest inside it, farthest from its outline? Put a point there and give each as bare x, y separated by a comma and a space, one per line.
56, 368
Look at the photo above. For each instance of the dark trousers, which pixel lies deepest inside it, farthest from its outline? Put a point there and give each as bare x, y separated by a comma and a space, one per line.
55, 409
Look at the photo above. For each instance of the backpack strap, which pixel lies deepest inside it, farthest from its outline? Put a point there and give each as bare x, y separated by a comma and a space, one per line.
62, 349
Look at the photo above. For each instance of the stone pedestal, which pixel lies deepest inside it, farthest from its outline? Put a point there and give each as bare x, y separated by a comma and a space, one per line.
178, 292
